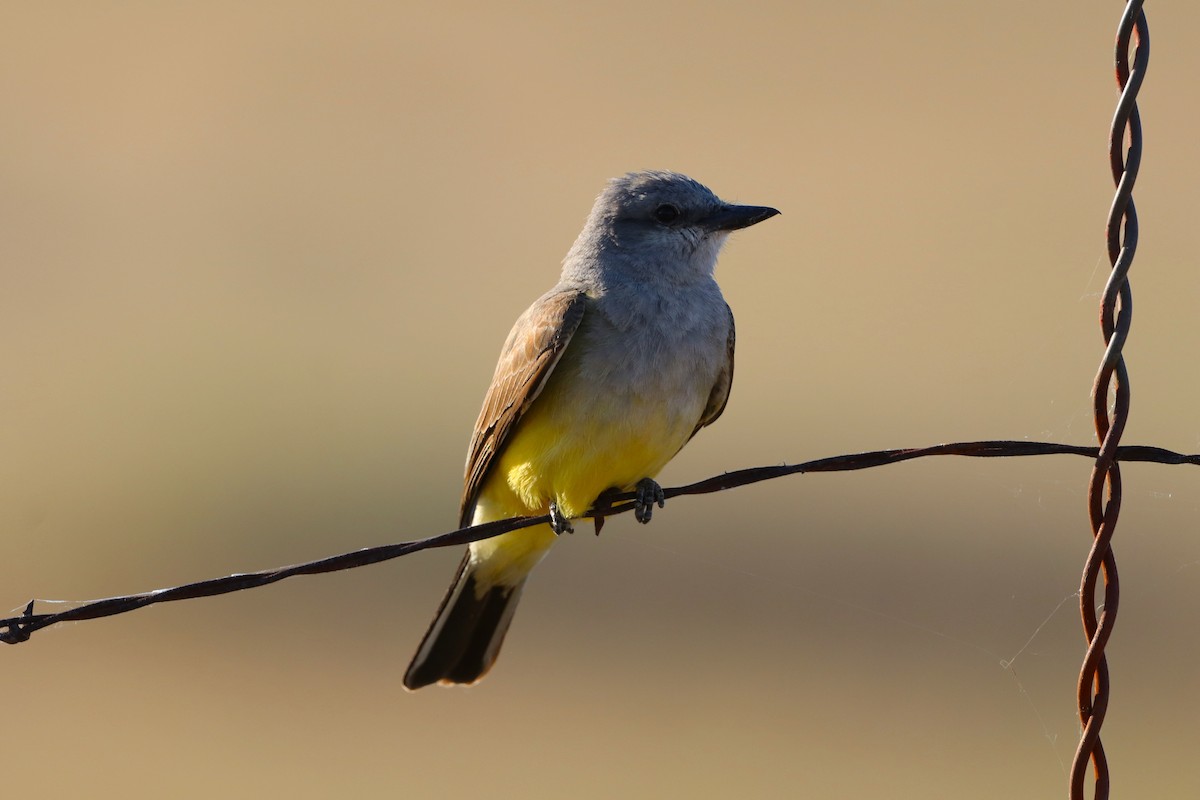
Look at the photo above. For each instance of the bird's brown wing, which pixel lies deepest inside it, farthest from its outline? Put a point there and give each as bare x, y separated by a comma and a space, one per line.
534, 346
719, 395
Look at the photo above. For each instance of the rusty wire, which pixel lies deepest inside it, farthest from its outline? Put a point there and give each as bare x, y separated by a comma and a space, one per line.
14, 630
1116, 311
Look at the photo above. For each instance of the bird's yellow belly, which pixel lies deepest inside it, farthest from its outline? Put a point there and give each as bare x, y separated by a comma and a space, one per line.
572, 445
568, 448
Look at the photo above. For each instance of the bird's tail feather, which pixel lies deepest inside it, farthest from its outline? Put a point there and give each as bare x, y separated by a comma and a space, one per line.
465, 637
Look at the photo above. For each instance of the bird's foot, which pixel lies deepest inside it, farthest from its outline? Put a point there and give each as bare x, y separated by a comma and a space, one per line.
558, 523
649, 495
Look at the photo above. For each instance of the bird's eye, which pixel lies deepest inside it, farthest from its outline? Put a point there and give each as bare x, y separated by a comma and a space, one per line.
666, 213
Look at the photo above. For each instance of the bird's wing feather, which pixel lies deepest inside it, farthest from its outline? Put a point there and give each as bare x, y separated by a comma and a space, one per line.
719, 395
534, 346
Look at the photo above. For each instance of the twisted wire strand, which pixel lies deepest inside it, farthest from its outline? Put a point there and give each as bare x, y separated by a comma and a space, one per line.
14, 630
1105, 487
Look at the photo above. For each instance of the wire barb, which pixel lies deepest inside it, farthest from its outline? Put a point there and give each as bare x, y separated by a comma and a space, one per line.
1116, 312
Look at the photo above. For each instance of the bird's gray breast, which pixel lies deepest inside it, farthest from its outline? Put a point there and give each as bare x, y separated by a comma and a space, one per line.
662, 348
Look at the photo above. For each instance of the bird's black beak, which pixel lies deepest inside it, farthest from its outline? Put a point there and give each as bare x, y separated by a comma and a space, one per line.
732, 218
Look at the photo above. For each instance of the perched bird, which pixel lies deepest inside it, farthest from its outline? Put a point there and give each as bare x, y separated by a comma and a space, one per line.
600, 383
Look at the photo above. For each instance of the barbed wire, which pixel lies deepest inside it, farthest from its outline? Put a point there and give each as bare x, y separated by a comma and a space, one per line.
14, 630
1116, 313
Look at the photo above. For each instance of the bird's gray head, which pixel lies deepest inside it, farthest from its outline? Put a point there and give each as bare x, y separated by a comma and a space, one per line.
655, 226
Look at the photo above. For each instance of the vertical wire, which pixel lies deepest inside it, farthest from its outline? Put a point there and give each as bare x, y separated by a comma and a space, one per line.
1104, 490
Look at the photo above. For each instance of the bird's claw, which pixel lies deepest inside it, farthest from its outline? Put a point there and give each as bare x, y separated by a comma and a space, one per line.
558, 523
649, 495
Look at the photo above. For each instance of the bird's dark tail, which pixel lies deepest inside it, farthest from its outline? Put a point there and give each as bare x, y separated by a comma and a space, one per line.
462, 643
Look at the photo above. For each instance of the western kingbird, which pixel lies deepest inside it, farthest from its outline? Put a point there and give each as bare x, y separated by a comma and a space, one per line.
600, 383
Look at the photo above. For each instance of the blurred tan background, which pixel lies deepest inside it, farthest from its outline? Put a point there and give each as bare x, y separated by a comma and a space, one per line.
256, 263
